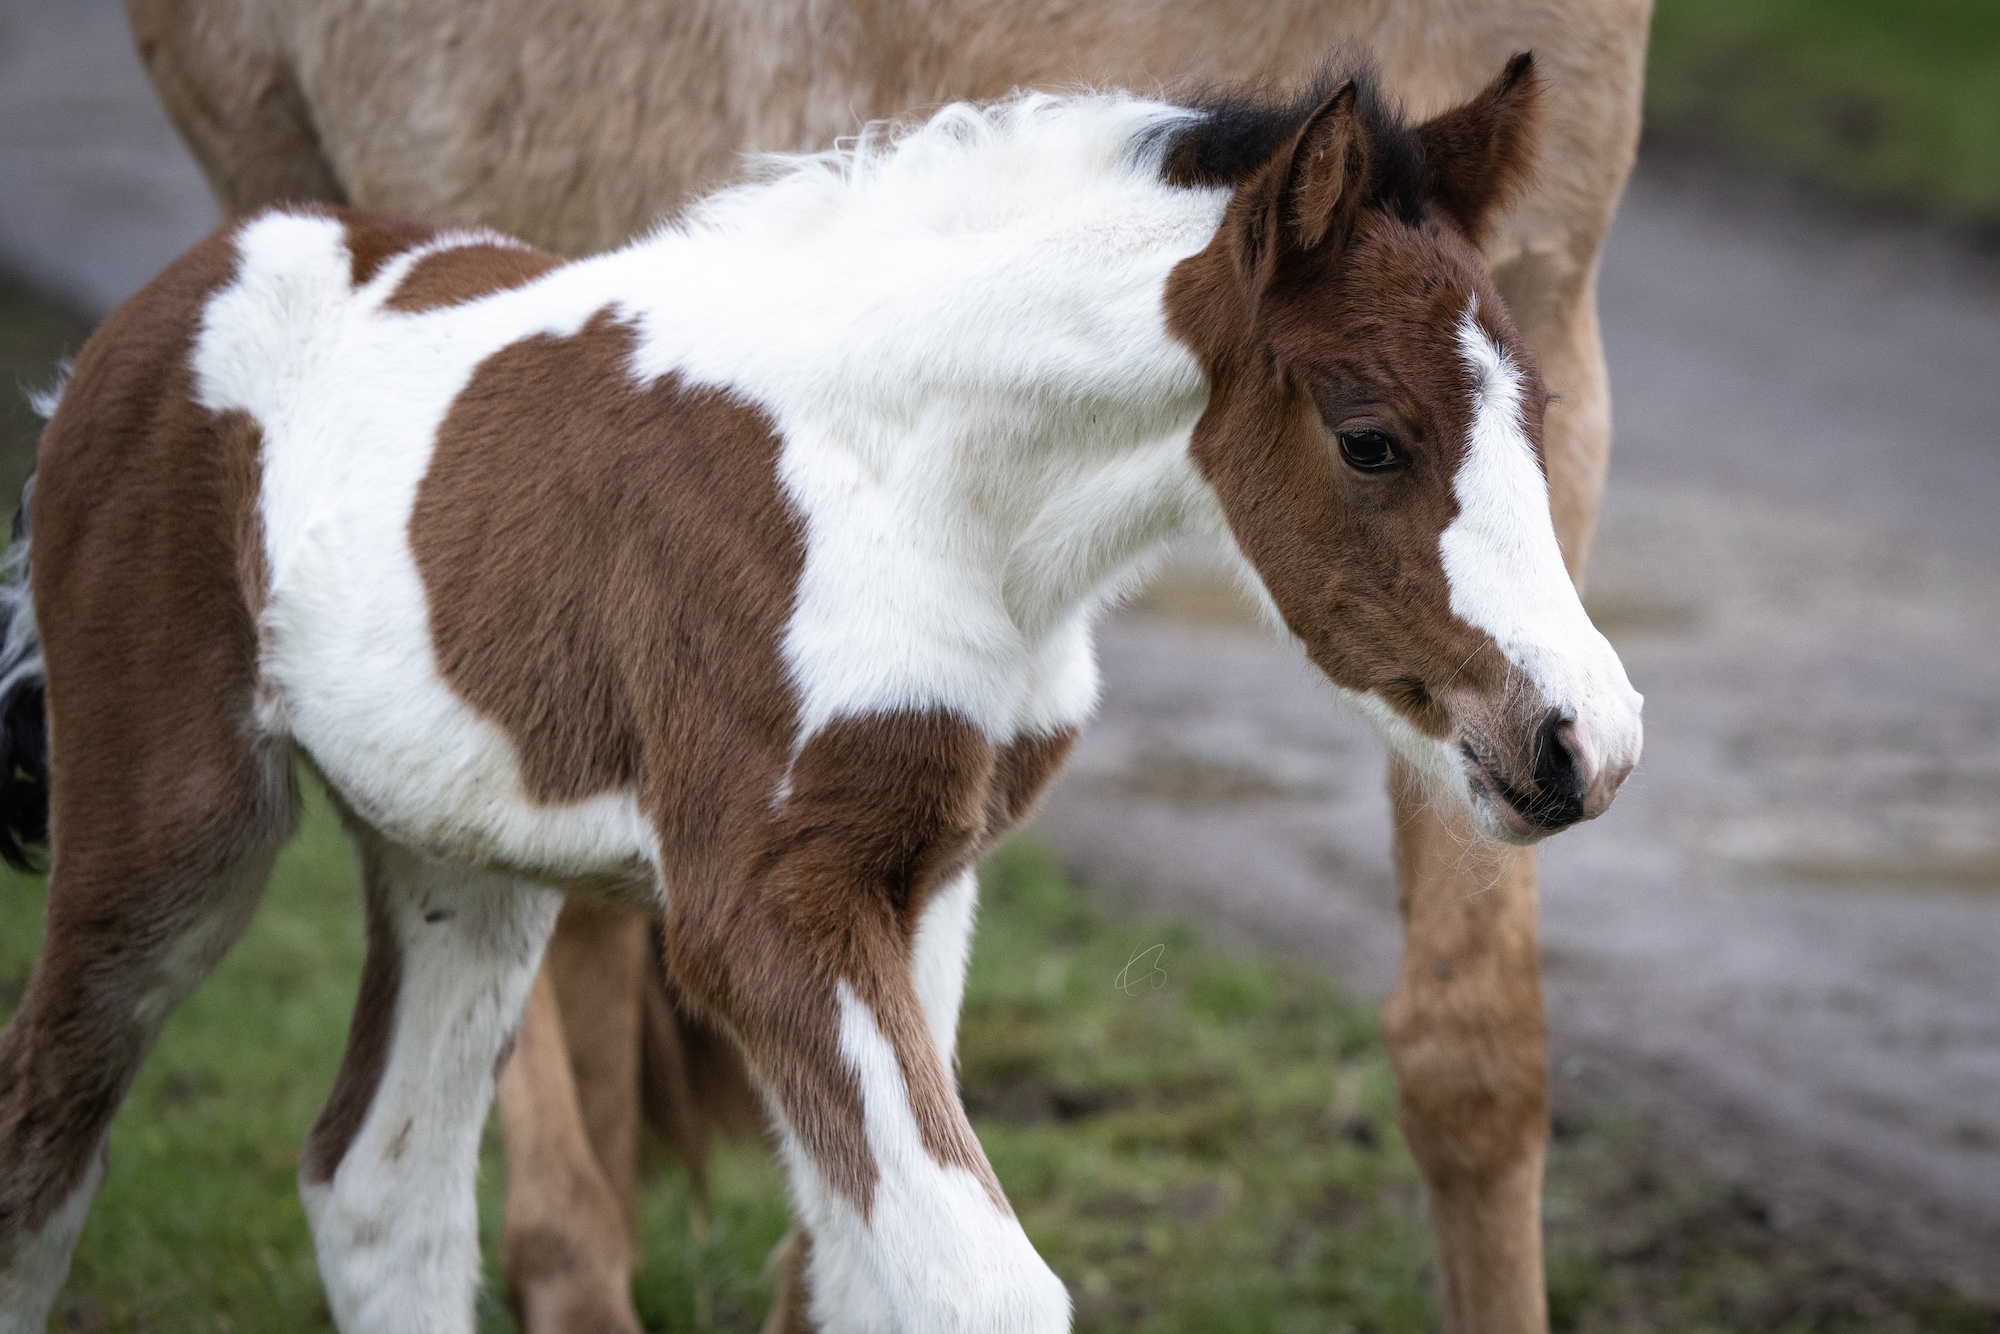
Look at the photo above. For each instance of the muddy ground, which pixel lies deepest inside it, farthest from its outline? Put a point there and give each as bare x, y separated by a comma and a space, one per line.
1781, 944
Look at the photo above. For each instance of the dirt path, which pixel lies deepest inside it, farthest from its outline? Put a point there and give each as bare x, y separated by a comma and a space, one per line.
1782, 942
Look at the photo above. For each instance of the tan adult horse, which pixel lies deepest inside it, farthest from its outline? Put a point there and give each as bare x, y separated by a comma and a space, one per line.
575, 125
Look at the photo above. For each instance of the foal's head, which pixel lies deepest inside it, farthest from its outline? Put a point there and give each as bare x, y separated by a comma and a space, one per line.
1374, 434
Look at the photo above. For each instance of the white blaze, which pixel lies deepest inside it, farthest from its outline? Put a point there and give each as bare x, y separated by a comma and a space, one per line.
1506, 572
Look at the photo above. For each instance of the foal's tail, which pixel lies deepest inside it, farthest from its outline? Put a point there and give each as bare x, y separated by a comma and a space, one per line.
24, 727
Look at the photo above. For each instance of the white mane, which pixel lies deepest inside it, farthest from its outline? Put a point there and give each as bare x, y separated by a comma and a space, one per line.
968, 166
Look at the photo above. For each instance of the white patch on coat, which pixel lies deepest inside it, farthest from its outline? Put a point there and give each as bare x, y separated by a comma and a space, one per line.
349, 401
35, 1264
396, 1230
938, 956
1506, 572
935, 1254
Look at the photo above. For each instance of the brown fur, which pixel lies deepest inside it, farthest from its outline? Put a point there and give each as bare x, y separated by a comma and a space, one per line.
466, 273
368, 1030
374, 239
694, 1084
594, 636
565, 1246
599, 966
1468, 1044
638, 649
148, 572
576, 132
1309, 309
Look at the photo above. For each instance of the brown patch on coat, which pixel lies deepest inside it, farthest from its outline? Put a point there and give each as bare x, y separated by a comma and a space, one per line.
1021, 774
369, 1028
148, 575
467, 267
465, 273
373, 240
1331, 298
610, 569
693, 1083
883, 812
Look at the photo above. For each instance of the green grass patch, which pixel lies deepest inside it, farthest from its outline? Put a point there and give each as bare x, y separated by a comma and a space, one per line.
1197, 1139
1894, 103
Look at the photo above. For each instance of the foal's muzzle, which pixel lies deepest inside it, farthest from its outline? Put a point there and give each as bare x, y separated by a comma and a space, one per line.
1553, 798
1561, 778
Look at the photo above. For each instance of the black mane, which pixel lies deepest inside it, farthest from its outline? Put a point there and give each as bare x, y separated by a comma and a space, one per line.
1234, 132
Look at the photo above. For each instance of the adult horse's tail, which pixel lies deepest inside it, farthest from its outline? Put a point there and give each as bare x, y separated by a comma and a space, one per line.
24, 727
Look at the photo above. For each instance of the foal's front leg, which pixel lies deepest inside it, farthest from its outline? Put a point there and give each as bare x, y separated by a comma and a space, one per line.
389, 1169
834, 1275
845, 1005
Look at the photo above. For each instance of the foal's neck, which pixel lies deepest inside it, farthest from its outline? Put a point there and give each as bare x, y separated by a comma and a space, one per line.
982, 333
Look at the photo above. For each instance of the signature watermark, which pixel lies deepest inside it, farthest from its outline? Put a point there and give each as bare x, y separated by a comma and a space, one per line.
1142, 972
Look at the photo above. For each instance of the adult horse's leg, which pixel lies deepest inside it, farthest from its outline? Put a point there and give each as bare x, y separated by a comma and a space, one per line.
565, 1244
230, 86
1465, 1035
597, 966
389, 1169
1464, 1026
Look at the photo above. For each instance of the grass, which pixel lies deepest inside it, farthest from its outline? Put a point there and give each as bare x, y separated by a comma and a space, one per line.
1896, 103
1210, 1147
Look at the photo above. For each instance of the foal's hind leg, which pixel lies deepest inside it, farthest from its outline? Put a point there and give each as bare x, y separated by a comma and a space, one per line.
389, 1170
148, 892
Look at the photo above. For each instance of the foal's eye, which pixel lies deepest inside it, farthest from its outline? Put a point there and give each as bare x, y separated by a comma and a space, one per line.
1370, 450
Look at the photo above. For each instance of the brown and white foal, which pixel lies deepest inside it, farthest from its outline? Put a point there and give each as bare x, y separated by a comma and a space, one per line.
748, 572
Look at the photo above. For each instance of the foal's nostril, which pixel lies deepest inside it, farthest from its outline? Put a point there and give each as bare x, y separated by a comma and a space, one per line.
1557, 798
1557, 771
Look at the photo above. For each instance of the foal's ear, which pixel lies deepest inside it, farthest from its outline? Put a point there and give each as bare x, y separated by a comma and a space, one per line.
1293, 204
1326, 170
1478, 155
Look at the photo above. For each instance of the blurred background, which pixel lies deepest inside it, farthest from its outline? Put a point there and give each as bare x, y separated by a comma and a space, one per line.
1773, 969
